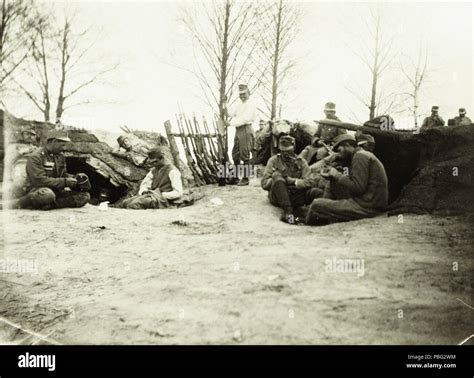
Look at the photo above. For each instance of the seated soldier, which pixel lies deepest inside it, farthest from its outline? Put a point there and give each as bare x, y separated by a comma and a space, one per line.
48, 185
366, 182
286, 178
161, 186
309, 153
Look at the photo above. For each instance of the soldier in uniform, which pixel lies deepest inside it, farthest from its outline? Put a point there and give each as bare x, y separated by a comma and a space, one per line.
287, 180
462, 120
161, 187
366, 183
433, 121
137, 154
244, 117
48, 185
326, 133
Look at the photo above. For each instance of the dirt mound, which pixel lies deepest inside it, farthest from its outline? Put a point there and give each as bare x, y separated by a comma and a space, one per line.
442, 181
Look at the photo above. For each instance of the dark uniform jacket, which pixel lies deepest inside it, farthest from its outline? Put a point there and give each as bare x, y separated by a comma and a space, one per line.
45, 170
464, 121
367, 181
431, 122
328, 133
298, 169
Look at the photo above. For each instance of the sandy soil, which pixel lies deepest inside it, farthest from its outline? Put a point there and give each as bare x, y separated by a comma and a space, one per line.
235, 274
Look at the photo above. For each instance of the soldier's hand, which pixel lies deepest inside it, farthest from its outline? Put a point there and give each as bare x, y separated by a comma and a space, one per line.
71, 182
290, 181
330, 172
276, 175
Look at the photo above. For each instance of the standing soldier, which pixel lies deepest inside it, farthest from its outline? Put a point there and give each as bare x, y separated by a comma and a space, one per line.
244, 117
462, 120
48, 185
326, 134
287, 180
432, 121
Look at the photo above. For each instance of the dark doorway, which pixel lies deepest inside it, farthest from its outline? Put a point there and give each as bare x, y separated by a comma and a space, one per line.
102, 189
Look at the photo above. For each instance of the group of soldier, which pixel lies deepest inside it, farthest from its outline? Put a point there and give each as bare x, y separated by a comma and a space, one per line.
435, 120
336, 178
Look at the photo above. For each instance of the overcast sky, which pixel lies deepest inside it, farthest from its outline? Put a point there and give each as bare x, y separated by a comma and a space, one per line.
147, 38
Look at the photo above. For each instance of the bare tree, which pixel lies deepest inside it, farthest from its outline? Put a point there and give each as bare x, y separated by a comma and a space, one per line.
223, 51
277, 29
37, 70
416, 74
72, 58
17, 33
61, 58
377, 56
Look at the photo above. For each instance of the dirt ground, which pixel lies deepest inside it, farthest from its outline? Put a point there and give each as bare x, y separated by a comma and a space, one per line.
232, 273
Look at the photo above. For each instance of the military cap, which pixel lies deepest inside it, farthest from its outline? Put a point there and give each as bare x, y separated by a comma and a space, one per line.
243, 88
365, 138
462, 110
286, 143
58, 135
29, 131
434, 108
330, 107
343, 138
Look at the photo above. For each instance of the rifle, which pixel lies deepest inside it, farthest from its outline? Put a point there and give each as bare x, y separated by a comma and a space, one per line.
189, 158
200, 163
213, 151
204, 151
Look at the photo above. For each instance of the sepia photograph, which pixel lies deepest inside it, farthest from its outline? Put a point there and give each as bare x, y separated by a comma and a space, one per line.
231, 172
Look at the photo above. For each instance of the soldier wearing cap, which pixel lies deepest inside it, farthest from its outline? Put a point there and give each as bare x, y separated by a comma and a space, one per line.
433, 121
48, 185
286, 178
137, 154
462, 120
161, 187
366, 141
326, 134
244, 117
366, 182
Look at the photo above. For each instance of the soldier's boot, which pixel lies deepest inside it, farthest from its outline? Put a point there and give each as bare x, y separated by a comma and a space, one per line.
245, 180
234, 180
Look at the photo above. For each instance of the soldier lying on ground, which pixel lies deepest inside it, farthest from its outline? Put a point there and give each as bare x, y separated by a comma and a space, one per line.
162, 186
287, 180
48, 185
135, 153
366, 182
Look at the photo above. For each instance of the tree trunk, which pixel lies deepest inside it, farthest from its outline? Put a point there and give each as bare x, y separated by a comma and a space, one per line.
276, 57
64, 52
223, 67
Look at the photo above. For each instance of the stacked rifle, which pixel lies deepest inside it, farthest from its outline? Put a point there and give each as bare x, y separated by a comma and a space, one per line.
204, 151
